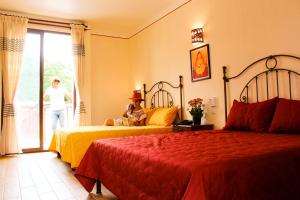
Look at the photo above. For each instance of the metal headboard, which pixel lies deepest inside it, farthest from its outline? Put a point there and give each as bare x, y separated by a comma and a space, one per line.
271, 67
162, 97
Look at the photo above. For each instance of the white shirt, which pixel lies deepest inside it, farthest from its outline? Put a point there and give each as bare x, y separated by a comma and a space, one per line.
57, 98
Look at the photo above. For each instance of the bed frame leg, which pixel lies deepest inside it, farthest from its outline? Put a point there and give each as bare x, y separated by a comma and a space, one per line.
98, 187
58, 155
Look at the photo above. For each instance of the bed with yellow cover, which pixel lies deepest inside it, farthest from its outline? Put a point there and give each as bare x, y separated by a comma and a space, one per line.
72, 143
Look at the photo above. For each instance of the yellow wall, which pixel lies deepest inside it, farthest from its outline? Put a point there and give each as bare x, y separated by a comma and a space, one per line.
238, 32
110, 77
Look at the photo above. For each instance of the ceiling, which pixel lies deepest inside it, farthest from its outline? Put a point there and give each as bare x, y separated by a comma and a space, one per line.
115, 17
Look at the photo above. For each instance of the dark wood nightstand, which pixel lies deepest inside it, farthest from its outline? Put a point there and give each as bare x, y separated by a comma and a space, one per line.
180, 128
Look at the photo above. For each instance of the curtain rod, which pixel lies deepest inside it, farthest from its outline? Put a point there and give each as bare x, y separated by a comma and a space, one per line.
53, 23
46, 22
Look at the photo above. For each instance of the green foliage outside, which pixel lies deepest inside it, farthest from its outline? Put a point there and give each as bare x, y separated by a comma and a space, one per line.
29, 80
64, 72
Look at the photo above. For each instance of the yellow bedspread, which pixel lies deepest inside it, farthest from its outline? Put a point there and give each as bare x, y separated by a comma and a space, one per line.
73, 143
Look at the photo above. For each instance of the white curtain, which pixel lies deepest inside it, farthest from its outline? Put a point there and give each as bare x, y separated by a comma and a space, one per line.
12, 38
79, 56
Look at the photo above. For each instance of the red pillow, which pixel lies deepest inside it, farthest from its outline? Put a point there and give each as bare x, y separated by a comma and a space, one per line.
286, 117
251, 116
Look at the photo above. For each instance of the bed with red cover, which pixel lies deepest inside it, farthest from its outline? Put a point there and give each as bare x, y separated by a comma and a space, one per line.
255, 157
198, 165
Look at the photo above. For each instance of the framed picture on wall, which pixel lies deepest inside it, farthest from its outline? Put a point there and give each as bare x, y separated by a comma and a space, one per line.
200, 63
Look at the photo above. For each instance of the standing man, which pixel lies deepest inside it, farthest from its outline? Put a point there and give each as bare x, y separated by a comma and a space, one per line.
57, 96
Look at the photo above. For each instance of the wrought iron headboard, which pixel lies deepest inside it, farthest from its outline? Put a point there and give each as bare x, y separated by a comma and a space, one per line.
162, 97
271, 67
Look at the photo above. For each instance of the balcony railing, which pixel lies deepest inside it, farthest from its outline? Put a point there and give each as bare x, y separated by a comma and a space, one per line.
28, 123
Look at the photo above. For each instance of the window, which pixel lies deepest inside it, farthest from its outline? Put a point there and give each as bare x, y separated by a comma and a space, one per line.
46, 54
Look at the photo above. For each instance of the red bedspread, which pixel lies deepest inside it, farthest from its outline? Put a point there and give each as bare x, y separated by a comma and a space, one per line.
200, 165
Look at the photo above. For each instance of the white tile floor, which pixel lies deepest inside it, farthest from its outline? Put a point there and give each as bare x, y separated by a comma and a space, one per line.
41, 176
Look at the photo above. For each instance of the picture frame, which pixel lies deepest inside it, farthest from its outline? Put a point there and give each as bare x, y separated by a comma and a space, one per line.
200, 63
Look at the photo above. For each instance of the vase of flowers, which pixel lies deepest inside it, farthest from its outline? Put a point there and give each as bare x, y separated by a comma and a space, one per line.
196, 110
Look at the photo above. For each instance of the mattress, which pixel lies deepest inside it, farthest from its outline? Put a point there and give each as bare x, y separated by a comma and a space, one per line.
73, 143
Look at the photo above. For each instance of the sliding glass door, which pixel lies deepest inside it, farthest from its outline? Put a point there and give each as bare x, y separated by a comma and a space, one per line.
46, 55
27, 98
58, 62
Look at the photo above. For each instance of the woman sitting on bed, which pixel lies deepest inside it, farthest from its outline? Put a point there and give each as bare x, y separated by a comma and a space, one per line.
134, 115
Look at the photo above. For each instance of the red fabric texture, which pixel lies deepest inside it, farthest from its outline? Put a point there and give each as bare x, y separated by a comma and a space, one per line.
286, 117
206, 165
251, 116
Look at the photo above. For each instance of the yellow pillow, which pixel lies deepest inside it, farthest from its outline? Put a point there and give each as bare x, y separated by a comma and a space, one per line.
149, 112
163, 116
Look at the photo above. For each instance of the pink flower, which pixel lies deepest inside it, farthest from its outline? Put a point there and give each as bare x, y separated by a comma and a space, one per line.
195, 107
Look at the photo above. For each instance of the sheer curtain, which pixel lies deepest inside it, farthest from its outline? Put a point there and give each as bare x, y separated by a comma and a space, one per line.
78, 35
12, 38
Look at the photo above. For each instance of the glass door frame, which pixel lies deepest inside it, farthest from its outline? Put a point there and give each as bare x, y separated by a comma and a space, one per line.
41, 117
41, 92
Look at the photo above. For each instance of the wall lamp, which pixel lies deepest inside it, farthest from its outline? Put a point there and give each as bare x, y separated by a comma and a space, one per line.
197, 35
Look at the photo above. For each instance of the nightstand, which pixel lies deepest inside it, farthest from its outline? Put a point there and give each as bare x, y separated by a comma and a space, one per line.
180, 128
